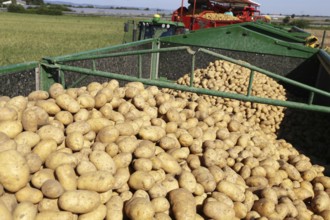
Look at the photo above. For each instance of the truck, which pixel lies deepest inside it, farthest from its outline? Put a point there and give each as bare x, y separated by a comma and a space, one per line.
199, 14
207, 14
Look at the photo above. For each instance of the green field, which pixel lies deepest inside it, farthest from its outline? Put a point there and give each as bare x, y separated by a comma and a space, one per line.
28, 37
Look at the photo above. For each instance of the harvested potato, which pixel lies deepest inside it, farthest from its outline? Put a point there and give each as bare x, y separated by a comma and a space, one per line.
99, 181
52, 189
25, 211
183, 204
139, 208
79, 201
14, 171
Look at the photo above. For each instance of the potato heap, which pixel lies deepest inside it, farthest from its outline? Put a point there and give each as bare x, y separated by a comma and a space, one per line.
228, 77
219, 17
110, 152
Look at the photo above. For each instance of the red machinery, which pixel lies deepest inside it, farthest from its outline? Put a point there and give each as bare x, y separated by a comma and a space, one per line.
207, 13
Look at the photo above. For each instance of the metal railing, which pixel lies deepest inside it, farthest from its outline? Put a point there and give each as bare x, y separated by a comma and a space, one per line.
156, 81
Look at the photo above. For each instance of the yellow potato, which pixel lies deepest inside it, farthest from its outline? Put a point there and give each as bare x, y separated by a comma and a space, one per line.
67, 177
4, 212
8, 114
44, 148
51, 132
54, 215
97, 214
115, 208
103, 161
29, 194
67, 103
99, 181
11, 128
79, 201
134, 206
58, 158
52, 189
14, 171
25, 211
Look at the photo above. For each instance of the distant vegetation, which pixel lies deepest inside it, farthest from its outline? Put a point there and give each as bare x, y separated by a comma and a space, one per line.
301, 23
42, 9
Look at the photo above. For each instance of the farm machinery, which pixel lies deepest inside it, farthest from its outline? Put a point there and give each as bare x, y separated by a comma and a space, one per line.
203, 14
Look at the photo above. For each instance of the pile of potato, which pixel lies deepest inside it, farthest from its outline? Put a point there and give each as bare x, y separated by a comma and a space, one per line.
228, 77
219, 17
110, 152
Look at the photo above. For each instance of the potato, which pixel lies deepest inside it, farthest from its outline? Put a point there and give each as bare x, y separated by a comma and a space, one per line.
108, 134
160, 204
145, 149
42, 176
54, 215
75, 141
141, 180
48, 205
96, 124
79, 201
231, 190
205, 178
33, 161
103, 161
52, 189
8, 114
51, 132
29, 194
133, 209
169, 164
152, 133
264, 206
97, 214
64, 117
67, 177
187, 181
27, 138
320, 202
14, 171
142, 164
25, 211
85, 166
11, 128
4, 212
55, 90
44, 148
218, 210
58, 158
50, 107
99, 181
183, 204
115, 208
67, 103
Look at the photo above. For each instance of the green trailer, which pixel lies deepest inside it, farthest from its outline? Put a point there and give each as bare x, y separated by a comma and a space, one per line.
154, 61
260, 47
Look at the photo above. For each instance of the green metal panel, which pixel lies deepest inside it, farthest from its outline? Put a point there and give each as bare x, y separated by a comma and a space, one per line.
170, 85
17, 67
77, 56
246, 37
155, 80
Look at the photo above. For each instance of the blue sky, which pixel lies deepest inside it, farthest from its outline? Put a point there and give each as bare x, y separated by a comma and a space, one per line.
306, 7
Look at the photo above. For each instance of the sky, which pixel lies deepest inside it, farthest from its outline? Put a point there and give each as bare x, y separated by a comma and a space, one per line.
298, 7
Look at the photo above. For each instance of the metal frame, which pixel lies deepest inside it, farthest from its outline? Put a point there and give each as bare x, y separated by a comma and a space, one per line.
156, 81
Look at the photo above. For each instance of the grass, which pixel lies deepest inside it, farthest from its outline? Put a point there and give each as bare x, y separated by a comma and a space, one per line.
26, 37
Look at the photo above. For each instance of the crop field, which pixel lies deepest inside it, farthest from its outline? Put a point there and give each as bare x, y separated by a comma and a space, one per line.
30, 37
